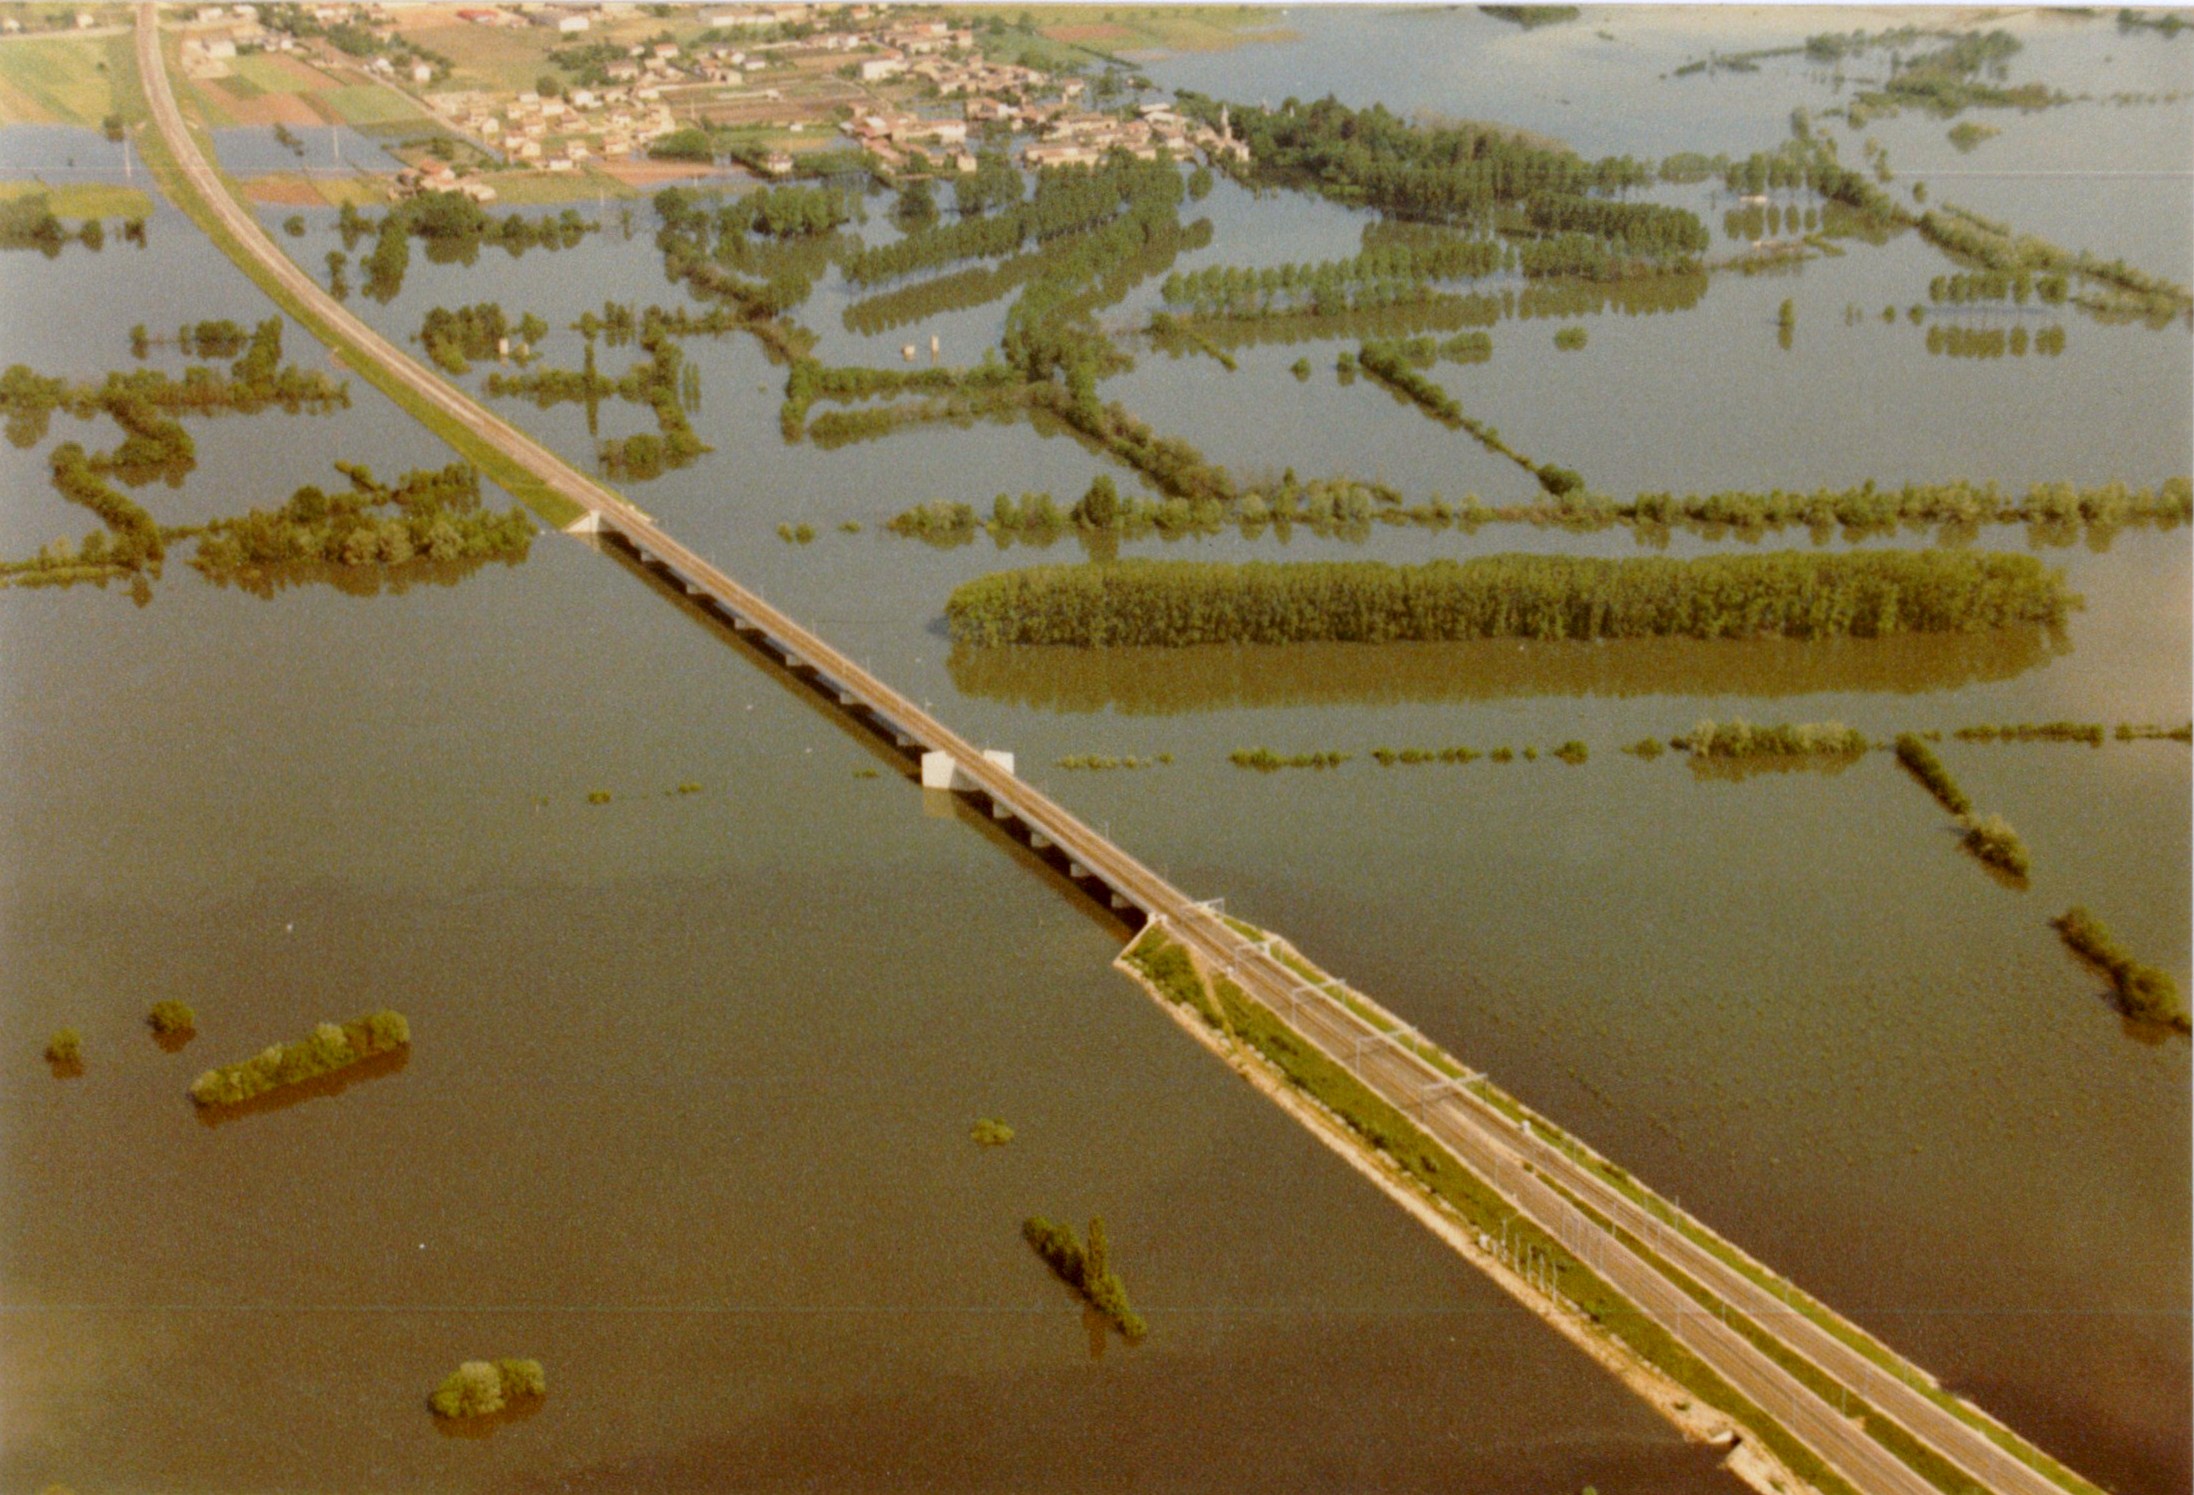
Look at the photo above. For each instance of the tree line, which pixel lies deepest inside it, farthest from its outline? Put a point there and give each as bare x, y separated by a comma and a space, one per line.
1445, 173
429, 514
2143, 991
1806, 596
1392, 364
664, 382
1385, 271
332, 1046
1066, 199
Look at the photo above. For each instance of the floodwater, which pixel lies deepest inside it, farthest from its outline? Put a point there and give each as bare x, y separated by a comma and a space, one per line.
686, 1117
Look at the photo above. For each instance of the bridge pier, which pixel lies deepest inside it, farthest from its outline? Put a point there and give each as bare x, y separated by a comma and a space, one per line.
1039, 840
942, 770
1077, 871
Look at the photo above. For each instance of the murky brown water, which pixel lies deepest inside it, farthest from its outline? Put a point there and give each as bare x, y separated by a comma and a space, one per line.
686, 1117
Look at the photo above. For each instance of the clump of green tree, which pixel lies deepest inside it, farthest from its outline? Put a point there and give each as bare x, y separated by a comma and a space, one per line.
428, 515
1387, 757
454, 229
1920, 761
1088, 1270
1742, 739
482, 1388
2143, 991
1102, 763
2090, 733
1066, 200
454, 338
810, 380
1871, 509
1456, 173
2152, 732
788, 212
1964, 73
65, 1048
664, 382
990, 1132
1992, 839
170, 1016
28, 222
1265, 760
1391, 364
331, 1047
1172, 603
1346, 508
137, 542
1399, 264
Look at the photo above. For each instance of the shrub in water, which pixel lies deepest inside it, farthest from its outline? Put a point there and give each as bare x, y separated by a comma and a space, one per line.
2143, 991
171, 1016
332, 1046
481, 1388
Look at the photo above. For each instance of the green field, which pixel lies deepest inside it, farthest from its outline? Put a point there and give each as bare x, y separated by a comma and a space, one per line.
56, 81
271, 74
532, 188
1069, 33
371, 104
83, 199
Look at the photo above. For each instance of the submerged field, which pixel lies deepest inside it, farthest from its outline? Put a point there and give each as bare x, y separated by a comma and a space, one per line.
704, 999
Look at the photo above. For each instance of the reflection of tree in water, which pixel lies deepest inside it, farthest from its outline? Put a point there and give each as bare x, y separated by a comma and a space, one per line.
319, 1087
1162, 682
355, 581
1737, 770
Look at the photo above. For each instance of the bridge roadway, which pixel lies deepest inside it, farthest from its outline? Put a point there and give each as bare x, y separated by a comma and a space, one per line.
1484, 1138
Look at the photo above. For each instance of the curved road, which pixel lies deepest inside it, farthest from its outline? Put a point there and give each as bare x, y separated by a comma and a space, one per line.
1483, 1138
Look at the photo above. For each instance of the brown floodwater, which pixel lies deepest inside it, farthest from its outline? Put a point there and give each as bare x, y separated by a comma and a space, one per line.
686, 1117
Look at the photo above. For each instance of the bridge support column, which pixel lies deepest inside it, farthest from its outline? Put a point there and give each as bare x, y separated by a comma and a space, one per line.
1039, 840
1077, 870
1118, 901
942, 770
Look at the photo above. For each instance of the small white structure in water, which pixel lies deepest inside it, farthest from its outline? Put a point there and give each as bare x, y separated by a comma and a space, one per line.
907, 352
942, 770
